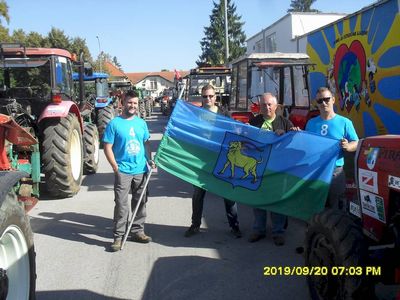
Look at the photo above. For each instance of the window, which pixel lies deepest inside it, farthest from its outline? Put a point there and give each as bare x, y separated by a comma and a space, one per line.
64, 76
259, 46
270, 42
153, 85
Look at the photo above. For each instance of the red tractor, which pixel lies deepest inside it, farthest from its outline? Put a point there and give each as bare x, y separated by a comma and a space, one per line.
37, 91
19, 192
282, 74
362, 248
351, 250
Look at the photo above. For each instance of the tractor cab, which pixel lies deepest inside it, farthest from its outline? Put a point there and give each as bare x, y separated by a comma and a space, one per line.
219, 77
282, 74
96, 88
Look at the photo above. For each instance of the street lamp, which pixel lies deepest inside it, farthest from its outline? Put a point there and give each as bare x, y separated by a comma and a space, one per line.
98, 40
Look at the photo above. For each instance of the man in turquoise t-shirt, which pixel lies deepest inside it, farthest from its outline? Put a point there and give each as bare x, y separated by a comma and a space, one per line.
331, 125
127, 150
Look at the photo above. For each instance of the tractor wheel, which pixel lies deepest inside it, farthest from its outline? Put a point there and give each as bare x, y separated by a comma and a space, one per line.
92, 145
17, 253
335, 239
104, 116
62, 156
148, 107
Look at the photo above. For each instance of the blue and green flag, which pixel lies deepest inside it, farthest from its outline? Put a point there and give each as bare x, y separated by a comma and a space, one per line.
288, 174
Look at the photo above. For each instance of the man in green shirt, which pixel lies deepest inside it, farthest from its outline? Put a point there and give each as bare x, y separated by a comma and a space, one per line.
269, 120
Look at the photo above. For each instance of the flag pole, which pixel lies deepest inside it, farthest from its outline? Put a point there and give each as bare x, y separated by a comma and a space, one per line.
226, 33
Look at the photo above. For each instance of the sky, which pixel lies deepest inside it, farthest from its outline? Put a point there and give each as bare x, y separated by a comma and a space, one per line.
149, 35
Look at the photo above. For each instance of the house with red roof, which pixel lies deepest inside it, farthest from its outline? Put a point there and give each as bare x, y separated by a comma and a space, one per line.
155, 82
117, 77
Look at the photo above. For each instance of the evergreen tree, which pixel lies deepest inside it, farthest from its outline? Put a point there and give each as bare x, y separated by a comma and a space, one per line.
302, 6
213, 43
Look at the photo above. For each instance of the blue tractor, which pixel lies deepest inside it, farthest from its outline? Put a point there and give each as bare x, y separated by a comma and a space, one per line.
97, 95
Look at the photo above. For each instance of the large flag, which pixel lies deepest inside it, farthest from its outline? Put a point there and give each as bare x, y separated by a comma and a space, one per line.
288, 174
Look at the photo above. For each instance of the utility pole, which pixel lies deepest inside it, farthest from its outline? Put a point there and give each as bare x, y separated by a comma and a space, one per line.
100, 56
226, 33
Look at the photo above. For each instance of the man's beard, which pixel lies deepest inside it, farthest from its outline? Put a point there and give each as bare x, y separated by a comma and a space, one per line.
129, 114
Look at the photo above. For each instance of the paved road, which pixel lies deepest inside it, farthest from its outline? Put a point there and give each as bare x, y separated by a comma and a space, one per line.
73, 261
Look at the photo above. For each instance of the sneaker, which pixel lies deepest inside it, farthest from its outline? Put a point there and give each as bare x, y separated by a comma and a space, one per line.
140, 237
255, 237
192, 230
116, 245
279, 240
236, 232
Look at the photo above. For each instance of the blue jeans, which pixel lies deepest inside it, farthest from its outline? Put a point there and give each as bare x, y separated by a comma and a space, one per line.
279, 222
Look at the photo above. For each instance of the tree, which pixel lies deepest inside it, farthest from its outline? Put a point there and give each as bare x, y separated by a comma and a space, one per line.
56, 38
19, 36
4, 11
99, 63
213, 43
4, 36
116, 63
302, 6
35, 39
78, 46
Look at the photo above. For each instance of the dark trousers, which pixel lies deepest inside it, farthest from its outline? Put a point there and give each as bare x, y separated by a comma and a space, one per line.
197, 208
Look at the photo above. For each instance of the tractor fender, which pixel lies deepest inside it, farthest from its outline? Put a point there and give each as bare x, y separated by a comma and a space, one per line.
7, 180
103, 104
61, 110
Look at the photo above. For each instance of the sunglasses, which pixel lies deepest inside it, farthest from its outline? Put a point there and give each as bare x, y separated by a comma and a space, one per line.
207, 96
326, 100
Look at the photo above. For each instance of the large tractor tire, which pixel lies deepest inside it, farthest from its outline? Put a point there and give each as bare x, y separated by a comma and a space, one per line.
149, 107
335, 239
104, 116
62, 156
91, 145
17, 253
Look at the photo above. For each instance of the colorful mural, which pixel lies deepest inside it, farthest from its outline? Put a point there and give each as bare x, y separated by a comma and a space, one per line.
358, 58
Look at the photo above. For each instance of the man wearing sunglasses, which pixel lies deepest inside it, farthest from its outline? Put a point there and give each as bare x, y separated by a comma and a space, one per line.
331, 125
208, 102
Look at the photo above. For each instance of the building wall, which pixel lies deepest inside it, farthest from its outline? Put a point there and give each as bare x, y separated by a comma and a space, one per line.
286, 29
155, 89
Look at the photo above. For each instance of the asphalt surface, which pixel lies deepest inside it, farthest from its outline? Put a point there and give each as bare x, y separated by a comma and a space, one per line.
72, 238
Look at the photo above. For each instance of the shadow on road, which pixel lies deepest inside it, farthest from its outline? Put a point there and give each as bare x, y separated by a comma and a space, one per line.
73, 294
75, 227
99, 181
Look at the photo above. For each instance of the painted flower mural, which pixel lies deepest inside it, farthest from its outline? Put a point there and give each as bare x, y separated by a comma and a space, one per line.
358, 58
